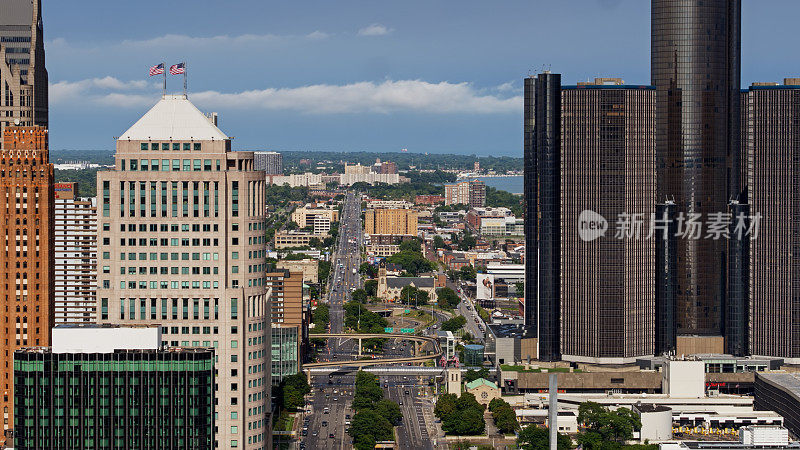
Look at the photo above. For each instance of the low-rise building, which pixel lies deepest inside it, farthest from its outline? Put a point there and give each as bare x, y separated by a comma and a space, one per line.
484, 390
429, 199
66, 395
382, 250
306, 215
308, 267
288, 239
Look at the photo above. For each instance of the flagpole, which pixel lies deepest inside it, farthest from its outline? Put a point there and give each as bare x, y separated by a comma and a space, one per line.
164, 71
184, 78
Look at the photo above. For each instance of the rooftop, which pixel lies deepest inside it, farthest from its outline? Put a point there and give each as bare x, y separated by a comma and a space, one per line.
400, 282
480, 382
174, 117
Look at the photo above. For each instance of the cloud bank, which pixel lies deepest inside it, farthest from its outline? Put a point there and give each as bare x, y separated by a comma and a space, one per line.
362, 97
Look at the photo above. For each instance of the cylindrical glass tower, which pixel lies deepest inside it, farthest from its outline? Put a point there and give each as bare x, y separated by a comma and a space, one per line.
695, 67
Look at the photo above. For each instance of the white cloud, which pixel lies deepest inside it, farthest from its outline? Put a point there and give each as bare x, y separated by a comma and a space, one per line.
505, 87
375, 29
318, 35
182, 40
69, 90
362, 97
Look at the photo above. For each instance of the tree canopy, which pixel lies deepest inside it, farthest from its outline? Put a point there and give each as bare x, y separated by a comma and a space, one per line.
605, 429
454, 324
461, 416
447, 298
534, 437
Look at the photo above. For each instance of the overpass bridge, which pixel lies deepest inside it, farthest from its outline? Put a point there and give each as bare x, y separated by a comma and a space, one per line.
375, 362
378, 370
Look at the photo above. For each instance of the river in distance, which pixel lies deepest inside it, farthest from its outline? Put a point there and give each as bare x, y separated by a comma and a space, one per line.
515, 185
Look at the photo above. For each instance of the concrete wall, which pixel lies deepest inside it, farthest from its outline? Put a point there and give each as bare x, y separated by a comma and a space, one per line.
95, 339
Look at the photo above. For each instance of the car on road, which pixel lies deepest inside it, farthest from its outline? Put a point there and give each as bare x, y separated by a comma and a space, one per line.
324, 423
331, 436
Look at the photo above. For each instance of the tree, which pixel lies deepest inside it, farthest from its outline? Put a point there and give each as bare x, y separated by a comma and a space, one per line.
390, 411
368, 270
445, 405
534, 437
472, 375
368, 427
454, 324
603, 426
368, 391
323, 270
438, 242
371, 286
504, 416
315, 242
411, 295
447, 298
468, 273
294, 388
411, 245
359, 295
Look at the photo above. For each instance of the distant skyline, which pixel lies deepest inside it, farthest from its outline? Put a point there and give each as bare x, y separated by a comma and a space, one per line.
357, 75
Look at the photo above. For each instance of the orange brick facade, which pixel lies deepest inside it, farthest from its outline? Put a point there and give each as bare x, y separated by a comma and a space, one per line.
27, 258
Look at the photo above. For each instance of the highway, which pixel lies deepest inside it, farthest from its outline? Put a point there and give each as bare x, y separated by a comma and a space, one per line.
329, 429
344, 267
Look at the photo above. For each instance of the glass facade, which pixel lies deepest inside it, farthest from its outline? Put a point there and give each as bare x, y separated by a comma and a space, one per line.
607, 166
772, 118
695, 67
285, 353
122, 400
543, 224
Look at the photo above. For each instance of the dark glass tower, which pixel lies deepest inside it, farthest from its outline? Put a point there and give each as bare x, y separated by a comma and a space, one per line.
543, 223
666, 250
773, 172
607, 167
695, 66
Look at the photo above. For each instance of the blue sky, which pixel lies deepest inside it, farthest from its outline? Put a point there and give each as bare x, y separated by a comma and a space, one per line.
430, 76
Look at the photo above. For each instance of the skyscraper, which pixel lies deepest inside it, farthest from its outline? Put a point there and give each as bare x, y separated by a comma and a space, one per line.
695, 67
75, 241
182, 243
608, 168
542, 218
27, 271
772, 146
23, 93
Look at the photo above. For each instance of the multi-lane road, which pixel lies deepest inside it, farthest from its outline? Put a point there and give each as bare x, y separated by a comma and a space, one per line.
332, 395
344, 265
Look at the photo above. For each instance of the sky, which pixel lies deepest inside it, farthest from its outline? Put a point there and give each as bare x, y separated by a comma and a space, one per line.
357, 75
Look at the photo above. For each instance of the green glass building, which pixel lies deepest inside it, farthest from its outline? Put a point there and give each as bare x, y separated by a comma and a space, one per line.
128, 399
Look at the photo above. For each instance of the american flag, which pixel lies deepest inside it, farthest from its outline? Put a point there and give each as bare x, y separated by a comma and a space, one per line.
177, 69
157, 70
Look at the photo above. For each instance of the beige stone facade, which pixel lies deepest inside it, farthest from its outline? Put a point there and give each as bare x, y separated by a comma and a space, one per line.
289, 239
181, 243
305, 215
308, 267
396, 222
